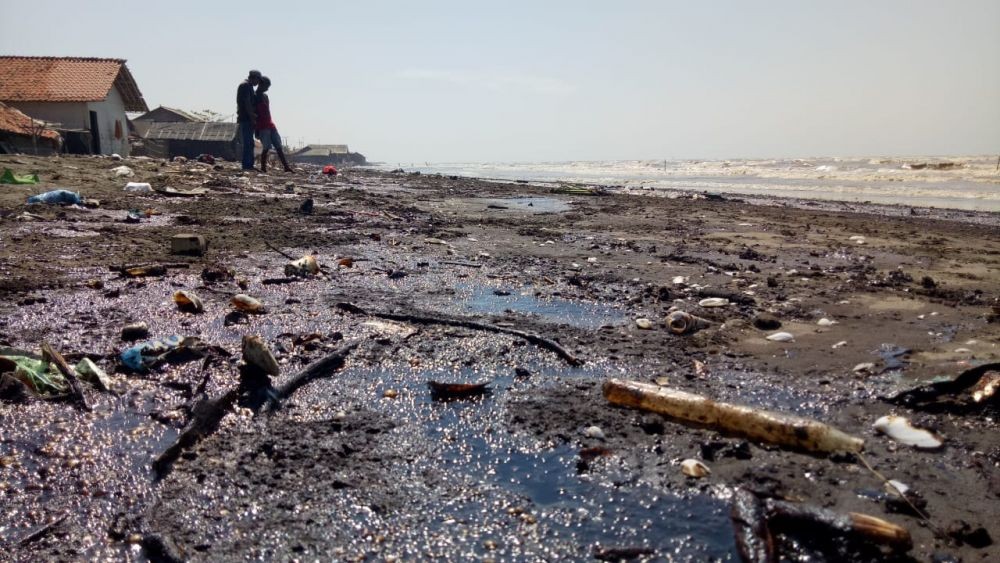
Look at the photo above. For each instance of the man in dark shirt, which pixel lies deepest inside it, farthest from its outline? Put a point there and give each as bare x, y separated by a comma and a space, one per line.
246, 115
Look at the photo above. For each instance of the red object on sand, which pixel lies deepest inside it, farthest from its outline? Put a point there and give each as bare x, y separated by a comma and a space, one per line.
329, 170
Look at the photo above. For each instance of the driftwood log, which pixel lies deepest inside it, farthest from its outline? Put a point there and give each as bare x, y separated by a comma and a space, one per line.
535, 339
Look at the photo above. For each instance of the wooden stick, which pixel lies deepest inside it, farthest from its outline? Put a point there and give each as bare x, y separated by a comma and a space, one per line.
463, 323
324, 367
50, 355
41, 532
466, 264
269, 245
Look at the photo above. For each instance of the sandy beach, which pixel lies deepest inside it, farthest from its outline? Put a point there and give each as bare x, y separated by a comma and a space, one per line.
367, 464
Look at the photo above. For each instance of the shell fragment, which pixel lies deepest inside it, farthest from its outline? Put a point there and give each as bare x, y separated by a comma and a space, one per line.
781, 337
713, 302
900, 430
694, 468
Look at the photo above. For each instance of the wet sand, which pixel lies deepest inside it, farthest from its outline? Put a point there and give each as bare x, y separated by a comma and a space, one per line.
367, 464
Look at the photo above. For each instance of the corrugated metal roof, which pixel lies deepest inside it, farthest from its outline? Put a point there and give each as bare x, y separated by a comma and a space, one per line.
14, 121
152, 114
67, 79
321, 150
198, 131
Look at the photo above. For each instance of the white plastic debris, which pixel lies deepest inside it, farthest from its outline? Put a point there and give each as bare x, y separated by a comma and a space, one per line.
593, 432
679, 280
644, 324
713, 302
900, 430
840, 344
781, 337
138, 187
122, 171
694, 468
865, 366
826, 322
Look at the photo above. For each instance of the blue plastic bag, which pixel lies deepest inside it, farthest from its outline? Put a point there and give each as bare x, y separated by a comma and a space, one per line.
57, 197
142, 356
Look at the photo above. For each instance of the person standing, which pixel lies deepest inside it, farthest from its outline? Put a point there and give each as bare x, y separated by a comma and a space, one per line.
266, 130
246, 115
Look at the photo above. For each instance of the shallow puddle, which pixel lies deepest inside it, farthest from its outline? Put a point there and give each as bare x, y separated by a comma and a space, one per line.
494, 301
527, 204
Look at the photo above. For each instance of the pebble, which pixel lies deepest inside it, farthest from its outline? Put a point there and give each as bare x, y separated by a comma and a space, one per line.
644, 324
694, 468
781, 337
826, 322
593, 432
713, 302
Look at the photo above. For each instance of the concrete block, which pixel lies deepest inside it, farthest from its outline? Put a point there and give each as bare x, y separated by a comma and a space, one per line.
187, 243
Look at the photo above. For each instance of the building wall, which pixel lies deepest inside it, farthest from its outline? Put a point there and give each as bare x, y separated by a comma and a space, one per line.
76, 115
109, 111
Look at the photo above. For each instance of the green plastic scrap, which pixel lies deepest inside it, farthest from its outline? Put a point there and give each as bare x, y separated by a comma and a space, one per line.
89, 371
9, 177
40, 376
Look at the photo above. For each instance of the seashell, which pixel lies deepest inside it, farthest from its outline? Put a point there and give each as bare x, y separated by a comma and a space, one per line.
865, 366
346, 262
680, 322
781, 337
246, 304
305, 266
256, 353
713, 302
896, 488
390, 393
593, 432
694, 468
826, 322
188, 301
644, 324
899, 429
839, 344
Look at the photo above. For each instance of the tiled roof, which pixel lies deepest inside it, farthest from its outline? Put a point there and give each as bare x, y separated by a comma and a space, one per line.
198, 131
67, 79
13, 121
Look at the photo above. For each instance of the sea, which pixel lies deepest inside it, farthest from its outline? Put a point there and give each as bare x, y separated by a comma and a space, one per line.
960, 182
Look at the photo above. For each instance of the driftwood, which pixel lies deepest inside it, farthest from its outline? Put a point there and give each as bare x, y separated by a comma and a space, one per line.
205, 418
50, 355
535, 339
949, 396
274, 248
466, 264
324, 367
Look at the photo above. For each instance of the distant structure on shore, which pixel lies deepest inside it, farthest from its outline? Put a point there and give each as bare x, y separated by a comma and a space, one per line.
83, 99
338, 155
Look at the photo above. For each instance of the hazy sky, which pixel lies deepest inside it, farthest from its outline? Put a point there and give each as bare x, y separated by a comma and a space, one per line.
535, 81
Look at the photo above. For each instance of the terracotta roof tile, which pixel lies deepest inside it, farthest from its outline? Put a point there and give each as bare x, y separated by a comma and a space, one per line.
66, 79
14, 121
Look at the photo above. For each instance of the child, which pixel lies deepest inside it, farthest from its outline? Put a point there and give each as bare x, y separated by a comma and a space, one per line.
266, 130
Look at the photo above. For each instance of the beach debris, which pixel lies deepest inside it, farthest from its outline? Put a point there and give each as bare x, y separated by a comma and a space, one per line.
442, 391
188, 301
899, 429
840, 344
755, 424
709, 302
142, 357
138, 187
765, 321
857, 239
306, 208
864, 367
535, 339
680, 322
694, 468
973, 390
644, 324
205, 418
257, 354
326, 366
135, 331
187, 243
753, 539
345, 263
122, 171
246, 304
679, 280
57, 197
793, 518
50, 355
594, 432
303, 267
34, 373
432, 240
781, 337
89, 371
329, 170
825, 322
217, 272
390, 394
8, 177
169, 191
144, 271
602, 553
964, 533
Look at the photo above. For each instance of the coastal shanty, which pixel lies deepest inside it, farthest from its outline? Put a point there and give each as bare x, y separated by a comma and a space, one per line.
190, 139
327, 154
162, 114
20, 133
85, 99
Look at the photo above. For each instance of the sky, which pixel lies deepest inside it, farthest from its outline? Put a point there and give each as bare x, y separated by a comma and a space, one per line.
539, 81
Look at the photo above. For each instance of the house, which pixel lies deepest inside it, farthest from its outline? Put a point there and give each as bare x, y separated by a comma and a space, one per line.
167, 140
77, 95
327, 154
162, 114
22, 134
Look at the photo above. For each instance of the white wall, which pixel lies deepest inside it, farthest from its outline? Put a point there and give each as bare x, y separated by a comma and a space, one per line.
76, 115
